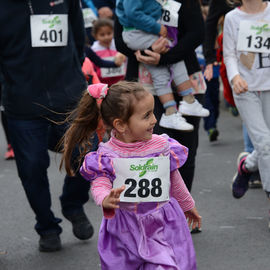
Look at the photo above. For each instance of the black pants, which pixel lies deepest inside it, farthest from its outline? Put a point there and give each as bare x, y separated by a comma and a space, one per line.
31, 140
188, 139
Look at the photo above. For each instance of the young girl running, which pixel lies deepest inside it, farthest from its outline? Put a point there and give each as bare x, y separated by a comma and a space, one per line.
246, 46
141, 30
135, 178
104, 47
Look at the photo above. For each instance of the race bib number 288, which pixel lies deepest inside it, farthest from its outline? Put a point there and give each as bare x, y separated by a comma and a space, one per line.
145, 179
49, 30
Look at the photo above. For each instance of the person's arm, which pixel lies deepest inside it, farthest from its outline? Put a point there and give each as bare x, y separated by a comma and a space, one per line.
191, 33
239, 85
180, 192
97, 60
229, 49
105, 196
77, 25
217, 8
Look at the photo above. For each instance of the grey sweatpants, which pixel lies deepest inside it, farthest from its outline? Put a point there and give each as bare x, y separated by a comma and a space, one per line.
254, 108
161, 75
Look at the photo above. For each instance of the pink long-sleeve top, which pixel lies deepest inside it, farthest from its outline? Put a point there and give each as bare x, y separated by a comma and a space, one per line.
98, 168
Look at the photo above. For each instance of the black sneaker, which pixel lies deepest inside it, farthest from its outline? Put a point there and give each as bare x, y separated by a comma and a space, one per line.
50, 242
240, 179
240, 185
213, 134
81, 226
255, 180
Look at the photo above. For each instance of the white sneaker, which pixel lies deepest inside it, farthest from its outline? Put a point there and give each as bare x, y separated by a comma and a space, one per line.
193, 109
175, 121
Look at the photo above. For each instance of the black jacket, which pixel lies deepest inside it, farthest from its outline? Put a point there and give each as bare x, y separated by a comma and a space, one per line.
190, 36
38, 79
217, 8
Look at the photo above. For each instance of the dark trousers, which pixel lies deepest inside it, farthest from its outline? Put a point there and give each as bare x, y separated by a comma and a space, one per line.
31, 140
188, 139
211, 102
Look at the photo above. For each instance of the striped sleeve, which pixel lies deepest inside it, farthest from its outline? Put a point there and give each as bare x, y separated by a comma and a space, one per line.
101, 188
180, 192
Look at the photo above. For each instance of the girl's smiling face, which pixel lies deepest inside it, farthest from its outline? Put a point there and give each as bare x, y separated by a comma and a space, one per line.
141, 124
104, 35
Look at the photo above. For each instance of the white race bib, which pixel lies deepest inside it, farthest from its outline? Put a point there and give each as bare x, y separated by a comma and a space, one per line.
89, 16
146, 179
49, 30
254, 36
112, 72
170, 14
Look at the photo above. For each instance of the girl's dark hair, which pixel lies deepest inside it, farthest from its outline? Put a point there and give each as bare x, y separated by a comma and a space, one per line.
119, 103
101, 23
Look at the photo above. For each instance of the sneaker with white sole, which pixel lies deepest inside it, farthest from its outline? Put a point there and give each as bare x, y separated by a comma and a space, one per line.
175, 121
193, 109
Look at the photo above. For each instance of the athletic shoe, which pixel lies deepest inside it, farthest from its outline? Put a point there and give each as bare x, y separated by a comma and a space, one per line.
240, 179
213, 134
50, 242
233, 110
9, 154
255, 180
193, 109
175, 121
196, 230
81, 226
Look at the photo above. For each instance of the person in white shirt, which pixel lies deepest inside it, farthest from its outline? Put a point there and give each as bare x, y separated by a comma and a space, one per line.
246, 47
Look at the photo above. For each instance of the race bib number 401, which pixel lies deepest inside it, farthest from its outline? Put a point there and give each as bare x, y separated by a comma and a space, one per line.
146, 179
254, 36
49, 30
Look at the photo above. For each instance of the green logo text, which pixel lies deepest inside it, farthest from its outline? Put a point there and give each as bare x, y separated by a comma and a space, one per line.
52, 22
147, 167
260, 29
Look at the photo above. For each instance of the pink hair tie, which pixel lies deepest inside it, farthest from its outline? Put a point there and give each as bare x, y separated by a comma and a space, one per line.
98, 90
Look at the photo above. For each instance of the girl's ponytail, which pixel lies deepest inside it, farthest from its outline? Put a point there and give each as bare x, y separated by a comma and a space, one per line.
83, 123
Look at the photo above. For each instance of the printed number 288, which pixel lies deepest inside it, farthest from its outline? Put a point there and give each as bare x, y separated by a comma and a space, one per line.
144, 190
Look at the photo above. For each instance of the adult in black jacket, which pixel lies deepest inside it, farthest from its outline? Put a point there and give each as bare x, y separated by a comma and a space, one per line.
40, 81
217, 9
191, 33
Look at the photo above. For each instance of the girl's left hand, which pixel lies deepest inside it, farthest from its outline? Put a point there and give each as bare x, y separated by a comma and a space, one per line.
119, 59
152, 58
193, 218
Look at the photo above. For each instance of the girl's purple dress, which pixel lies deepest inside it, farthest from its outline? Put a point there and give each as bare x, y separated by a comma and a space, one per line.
144, 236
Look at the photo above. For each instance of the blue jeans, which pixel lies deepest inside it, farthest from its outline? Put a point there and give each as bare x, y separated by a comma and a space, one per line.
247, 142
31, 140
211, 102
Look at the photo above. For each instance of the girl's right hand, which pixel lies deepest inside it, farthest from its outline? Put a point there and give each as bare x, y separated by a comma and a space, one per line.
112, 200
239, 84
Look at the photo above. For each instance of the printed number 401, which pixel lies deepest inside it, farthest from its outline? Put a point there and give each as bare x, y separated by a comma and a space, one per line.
144, 190
51, 36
